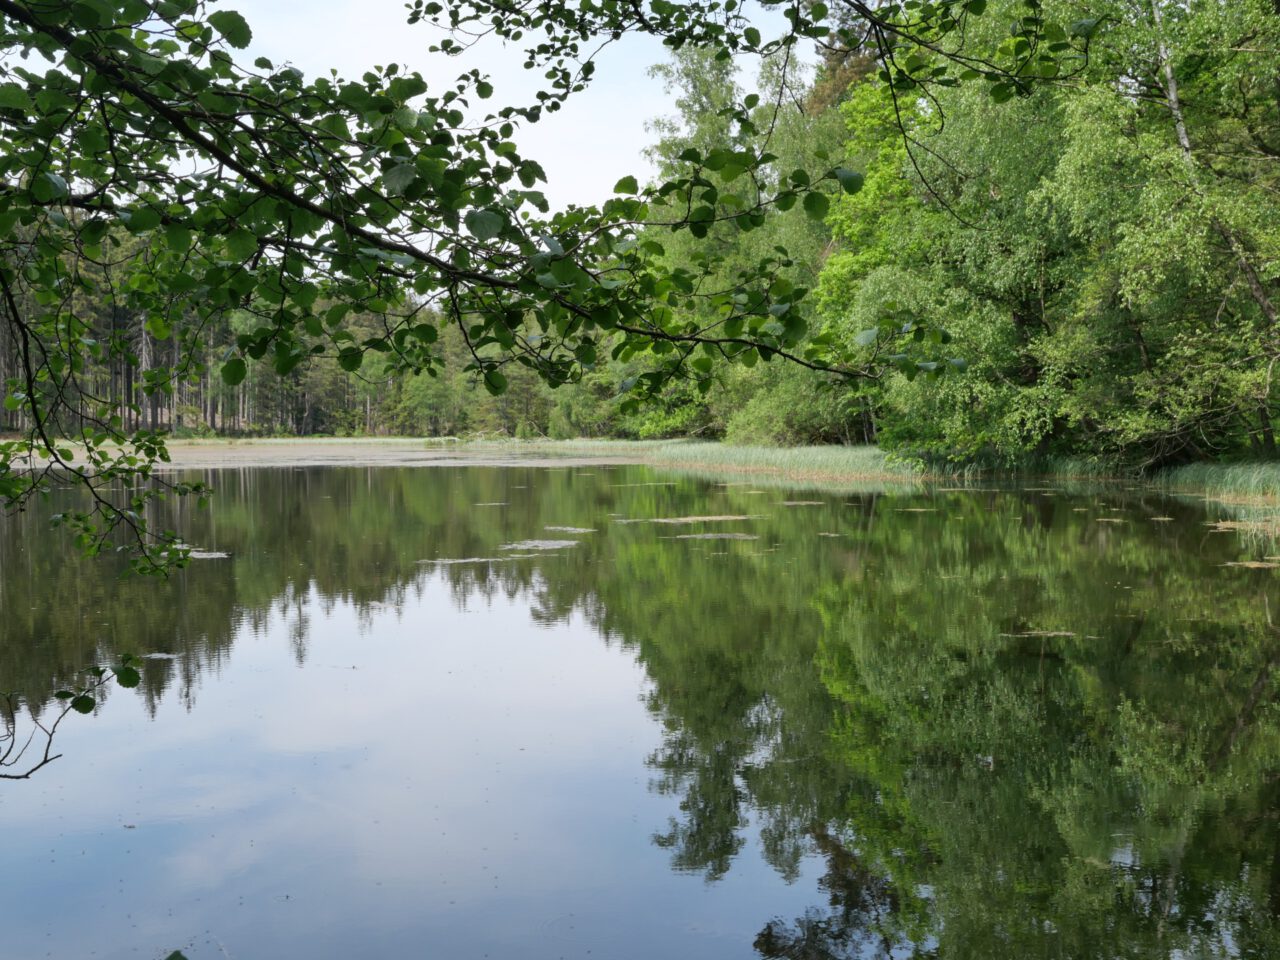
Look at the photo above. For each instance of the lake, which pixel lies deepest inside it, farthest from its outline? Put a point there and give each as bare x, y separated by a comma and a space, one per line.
603, 712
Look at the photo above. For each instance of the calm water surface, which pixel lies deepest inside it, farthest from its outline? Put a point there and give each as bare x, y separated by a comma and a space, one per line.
559, 713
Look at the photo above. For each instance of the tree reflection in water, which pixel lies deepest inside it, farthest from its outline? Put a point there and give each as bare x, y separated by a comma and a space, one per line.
1003, 727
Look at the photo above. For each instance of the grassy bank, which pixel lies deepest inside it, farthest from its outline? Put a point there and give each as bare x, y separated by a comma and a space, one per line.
1247, 483
803, 463
1229, 482
865, 468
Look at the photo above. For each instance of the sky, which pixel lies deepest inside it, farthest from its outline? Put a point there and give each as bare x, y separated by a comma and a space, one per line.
598, 137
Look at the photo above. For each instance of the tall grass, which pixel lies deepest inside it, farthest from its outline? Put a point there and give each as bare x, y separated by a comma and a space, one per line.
1036, 466
1254, 482
827, 460
1250, 481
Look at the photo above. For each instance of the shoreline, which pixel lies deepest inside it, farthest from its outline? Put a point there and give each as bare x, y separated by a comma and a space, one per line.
221, 454
1240, 485
825, 466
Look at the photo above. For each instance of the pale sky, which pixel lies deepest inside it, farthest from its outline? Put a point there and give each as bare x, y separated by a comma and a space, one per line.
596, 138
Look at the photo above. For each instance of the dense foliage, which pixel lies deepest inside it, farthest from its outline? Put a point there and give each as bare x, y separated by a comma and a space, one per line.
169, 214
1105, 251
1083, 234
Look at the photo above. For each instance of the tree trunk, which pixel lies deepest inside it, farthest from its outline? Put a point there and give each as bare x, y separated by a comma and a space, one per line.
1169, 85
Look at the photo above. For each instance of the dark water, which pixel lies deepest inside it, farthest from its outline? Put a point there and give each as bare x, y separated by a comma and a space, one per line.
1016, 724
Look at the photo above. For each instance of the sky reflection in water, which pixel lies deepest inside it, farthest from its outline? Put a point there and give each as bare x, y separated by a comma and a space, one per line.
962, 725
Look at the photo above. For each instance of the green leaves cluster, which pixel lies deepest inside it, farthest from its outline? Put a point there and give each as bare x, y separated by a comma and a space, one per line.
83, 699
148, 169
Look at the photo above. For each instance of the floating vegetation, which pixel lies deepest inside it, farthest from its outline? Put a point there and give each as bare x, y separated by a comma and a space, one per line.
493, 503
715, 536
1254, 564
1111, 520
208, 555
824, 533
539, 545
1162, 519
804, 503
915, 509
1043, 634
725, 518
1270, 526
455, 560
555, 529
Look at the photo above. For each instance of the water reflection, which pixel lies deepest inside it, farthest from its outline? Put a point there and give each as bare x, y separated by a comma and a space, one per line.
961, 725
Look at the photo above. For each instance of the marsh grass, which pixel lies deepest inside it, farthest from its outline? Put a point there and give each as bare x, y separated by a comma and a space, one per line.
827, 468
830, 461
1228, 482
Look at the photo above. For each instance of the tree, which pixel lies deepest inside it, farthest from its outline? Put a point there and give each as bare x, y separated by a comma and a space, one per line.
1104, 250
143, 166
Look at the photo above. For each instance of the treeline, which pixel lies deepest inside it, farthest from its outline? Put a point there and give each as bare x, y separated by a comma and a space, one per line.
1102, 252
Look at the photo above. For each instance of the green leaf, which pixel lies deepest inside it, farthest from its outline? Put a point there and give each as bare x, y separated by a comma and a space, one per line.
976, 7
752, 36
627, 184
397, 179
350, 359
177, 237
484, 90
495, 382
816, 205
1084, 28
850, 180
484, 224
48, 186
241, 244
142, 219
14, 97
83, 703
232, 26
233, 371
128, 677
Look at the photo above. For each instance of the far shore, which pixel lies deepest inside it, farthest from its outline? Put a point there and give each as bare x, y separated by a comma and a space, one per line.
817, 466
216, 454
834, 466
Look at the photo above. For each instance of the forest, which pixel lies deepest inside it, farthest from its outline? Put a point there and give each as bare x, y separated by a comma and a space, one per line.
975, 232
494, 706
